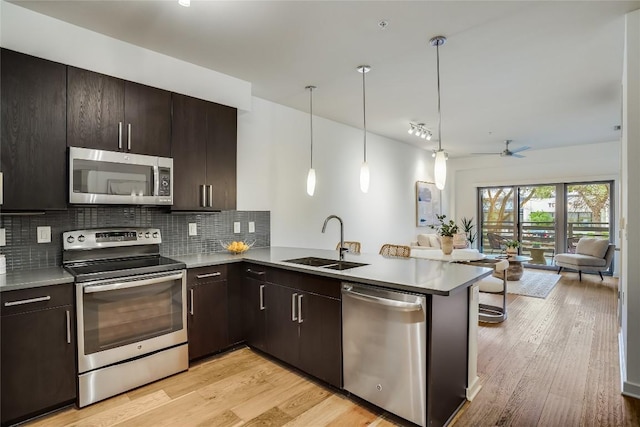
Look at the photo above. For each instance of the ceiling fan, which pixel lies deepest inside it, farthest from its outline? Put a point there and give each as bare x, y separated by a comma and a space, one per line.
509, 153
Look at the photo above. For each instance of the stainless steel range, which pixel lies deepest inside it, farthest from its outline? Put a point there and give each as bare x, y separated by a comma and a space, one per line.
131, 310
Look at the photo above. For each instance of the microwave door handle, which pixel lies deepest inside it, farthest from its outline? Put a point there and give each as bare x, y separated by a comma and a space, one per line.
156, 180
133, 284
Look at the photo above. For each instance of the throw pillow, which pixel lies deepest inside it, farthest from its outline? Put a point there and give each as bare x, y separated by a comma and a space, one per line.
593, 247
459, 241
434, 240
423, 240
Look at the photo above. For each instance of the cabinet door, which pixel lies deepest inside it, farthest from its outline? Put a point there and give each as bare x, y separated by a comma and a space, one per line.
33, 148
95, 110
254, 312
207, 319
38, 362
282, 323
221, 155
148, 118
188, 148
321, 338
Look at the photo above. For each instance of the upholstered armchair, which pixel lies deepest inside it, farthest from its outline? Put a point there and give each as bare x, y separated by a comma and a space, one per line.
591, 255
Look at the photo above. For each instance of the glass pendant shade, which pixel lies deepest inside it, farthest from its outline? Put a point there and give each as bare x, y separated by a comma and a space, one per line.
364, 177
311, 182
440, 170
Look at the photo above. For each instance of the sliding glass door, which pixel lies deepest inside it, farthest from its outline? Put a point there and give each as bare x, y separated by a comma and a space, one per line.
546, 219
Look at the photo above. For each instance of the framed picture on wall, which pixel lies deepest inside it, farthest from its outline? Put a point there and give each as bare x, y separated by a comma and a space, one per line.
427, 203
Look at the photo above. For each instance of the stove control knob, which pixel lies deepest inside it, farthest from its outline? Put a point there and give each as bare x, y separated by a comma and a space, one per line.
146, 234
81, 238
70, 239
155, 235
140, 235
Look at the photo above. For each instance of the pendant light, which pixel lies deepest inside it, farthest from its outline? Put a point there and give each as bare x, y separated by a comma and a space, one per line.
440, 168
364, 169
311, 176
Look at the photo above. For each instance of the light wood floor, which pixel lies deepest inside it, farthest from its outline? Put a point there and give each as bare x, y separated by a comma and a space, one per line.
554, 362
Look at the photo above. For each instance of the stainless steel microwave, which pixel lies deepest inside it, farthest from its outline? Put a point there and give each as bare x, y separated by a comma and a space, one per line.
109, 177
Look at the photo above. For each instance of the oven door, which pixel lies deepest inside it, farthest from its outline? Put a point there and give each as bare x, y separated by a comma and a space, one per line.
120, 319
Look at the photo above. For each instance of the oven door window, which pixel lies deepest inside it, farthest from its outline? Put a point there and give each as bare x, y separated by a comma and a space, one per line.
114, 318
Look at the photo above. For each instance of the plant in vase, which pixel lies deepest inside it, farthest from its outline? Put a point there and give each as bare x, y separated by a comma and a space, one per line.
512, 247
446, 230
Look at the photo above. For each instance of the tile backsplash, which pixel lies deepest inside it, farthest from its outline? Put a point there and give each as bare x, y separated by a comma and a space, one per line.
23, 252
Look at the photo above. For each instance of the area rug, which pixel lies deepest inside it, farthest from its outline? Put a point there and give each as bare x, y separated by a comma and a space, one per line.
533, 284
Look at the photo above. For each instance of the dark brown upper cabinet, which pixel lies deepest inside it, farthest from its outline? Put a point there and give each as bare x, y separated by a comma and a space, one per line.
33, 148
203, 147
111, 114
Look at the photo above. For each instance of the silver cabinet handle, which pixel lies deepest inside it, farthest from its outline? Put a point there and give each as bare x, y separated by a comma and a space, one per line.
299, 308
27, 301
191, 308
257, 273
129, 137
68, 326
204, 276
293, 307
203, 196
210, 196
261, 297
120, 135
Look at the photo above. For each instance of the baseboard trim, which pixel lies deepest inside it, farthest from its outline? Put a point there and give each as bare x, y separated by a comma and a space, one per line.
473, 389
628, 388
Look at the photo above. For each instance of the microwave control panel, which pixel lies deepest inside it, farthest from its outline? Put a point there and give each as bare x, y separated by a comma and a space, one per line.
164, 189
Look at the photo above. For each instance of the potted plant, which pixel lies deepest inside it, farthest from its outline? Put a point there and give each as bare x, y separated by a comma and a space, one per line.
512, 247
446, 230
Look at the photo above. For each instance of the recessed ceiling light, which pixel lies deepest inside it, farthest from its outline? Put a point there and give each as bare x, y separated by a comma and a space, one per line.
383, 24
185, 3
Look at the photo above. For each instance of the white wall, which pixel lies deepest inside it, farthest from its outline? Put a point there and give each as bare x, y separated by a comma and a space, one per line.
35, 34
273, 161
630, 206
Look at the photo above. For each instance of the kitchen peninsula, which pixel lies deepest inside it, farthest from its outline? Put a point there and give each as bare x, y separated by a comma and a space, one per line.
261, 289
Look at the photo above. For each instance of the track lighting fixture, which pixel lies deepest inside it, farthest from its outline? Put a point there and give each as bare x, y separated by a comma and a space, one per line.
420, 131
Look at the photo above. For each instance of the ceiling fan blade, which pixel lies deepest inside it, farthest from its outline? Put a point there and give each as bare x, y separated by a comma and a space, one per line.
520, 156
517, 150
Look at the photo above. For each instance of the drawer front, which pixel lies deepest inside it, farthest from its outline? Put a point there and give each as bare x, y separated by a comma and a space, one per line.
201, 275
306, 282
25, 300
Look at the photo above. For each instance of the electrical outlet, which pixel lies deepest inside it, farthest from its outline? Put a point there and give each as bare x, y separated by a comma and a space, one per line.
3, 236
252, 227
236, 227
44, 234
193, 229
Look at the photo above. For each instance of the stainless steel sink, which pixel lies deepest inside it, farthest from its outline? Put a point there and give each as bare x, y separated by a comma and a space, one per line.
344, 265
325, 263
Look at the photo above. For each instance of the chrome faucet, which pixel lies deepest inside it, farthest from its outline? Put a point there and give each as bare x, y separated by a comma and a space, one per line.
342, 248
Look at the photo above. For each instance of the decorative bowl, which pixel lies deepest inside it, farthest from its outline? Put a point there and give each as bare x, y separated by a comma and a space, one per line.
237, 247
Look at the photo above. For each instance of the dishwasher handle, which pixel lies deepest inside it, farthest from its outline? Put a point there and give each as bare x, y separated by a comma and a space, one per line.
399, 305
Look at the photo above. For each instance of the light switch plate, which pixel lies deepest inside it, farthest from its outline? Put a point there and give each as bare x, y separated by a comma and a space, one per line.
193, 229
3, 237
252, 227
236, 227
44, 234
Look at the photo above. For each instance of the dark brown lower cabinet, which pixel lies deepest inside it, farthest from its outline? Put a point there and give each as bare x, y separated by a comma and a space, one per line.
207, 319
254, 287
296, 318
235, 298
38, 352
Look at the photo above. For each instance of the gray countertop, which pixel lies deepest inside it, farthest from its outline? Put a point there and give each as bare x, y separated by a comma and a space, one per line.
408, 274
25, 279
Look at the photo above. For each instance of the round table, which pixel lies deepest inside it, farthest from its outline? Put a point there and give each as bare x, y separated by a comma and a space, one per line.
515, 270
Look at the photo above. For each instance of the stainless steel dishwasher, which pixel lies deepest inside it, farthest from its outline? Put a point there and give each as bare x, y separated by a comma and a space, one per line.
384, 349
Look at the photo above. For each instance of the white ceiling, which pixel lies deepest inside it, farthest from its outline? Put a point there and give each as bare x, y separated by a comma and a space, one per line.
542, 73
